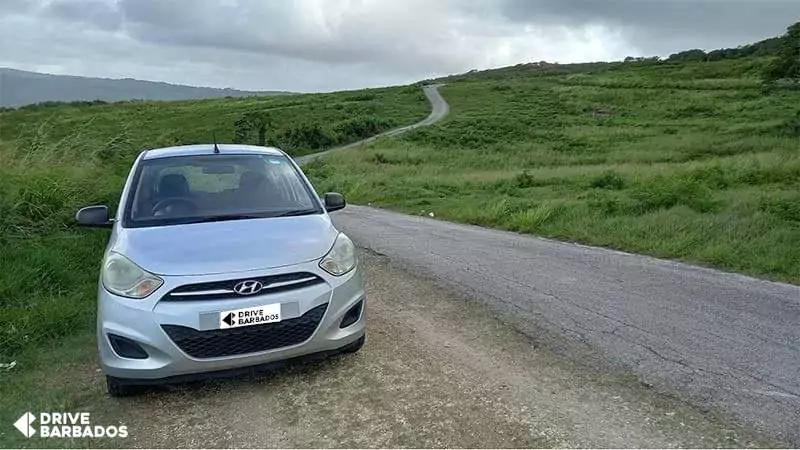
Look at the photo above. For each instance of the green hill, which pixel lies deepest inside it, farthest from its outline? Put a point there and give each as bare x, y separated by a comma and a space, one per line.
690, 160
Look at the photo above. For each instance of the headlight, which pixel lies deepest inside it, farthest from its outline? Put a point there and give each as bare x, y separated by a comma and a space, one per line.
122, 277
342, 257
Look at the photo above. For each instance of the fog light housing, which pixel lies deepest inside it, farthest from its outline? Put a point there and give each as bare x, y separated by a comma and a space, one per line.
352, 315
126, 348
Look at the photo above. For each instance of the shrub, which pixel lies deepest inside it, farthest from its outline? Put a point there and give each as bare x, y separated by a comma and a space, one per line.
787, 64
694, 110
665, 193
791, 126
784, 208
305, 136
613, 206
380, 158
254, 122
534, 218
359, 128
571, 145
688, 55
608, 180
362, 97
317, 169
714, 176
524, 180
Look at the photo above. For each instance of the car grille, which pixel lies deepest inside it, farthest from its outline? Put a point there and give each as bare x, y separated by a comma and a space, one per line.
217, 290
243, 340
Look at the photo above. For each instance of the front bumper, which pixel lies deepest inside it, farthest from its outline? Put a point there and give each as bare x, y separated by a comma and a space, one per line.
141, 321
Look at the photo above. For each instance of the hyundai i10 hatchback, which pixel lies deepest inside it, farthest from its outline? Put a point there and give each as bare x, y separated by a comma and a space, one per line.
221, 257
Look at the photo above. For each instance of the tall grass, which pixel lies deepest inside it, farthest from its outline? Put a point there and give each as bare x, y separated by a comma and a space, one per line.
48, 270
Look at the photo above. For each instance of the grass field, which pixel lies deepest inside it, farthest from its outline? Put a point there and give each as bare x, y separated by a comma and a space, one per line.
55, 159
693, 161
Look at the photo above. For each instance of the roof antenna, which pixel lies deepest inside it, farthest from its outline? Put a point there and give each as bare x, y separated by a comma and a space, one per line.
216, 147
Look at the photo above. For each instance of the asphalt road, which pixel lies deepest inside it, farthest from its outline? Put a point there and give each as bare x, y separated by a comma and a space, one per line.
721, 340
439, 109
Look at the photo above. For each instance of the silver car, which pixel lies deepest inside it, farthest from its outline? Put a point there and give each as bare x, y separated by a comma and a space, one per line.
221, 257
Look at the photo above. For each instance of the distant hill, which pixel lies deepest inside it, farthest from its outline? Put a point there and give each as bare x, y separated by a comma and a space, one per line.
762, 49
18, 88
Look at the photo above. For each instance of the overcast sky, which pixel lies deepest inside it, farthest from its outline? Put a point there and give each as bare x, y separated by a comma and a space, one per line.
323, 45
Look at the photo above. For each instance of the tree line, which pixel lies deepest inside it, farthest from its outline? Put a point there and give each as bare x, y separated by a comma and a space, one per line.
258, 128
784, 49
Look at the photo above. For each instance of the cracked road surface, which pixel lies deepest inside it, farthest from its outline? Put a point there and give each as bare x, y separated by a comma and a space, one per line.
437, 370
721, 340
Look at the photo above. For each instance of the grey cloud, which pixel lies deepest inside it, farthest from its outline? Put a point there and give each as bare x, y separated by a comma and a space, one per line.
239, 26
99, 13
17, 6
310, 45
49, 42
292, 31
656, 25
423, 34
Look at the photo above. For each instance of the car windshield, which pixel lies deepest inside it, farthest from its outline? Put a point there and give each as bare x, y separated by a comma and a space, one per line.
208, 188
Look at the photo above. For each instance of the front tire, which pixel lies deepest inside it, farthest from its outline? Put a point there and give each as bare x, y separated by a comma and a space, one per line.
118, 388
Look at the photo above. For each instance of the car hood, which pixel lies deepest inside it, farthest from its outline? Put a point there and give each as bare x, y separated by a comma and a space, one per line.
227, 246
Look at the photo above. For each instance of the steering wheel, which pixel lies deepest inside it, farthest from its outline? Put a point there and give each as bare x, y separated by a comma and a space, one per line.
164, 204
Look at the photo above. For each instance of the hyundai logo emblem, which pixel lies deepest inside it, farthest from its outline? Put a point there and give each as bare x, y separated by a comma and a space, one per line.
248, 287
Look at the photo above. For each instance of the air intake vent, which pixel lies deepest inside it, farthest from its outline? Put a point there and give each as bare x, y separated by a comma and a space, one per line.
126, 348
352, 315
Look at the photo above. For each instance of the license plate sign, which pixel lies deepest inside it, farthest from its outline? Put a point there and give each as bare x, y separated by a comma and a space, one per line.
245, 317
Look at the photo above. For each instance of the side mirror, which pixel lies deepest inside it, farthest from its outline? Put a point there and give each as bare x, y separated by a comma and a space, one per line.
94, 216
334, 201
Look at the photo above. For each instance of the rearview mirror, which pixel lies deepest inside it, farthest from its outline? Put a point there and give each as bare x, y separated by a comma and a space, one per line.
94, 216
334, 201
219, 169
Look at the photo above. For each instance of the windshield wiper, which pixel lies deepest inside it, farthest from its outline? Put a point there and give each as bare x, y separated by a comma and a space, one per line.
297, 212
224, 217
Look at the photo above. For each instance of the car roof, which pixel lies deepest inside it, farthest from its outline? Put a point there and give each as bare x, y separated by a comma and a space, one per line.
208, 149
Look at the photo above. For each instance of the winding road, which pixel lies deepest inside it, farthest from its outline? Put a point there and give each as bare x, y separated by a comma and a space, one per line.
439, 109
721, 340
